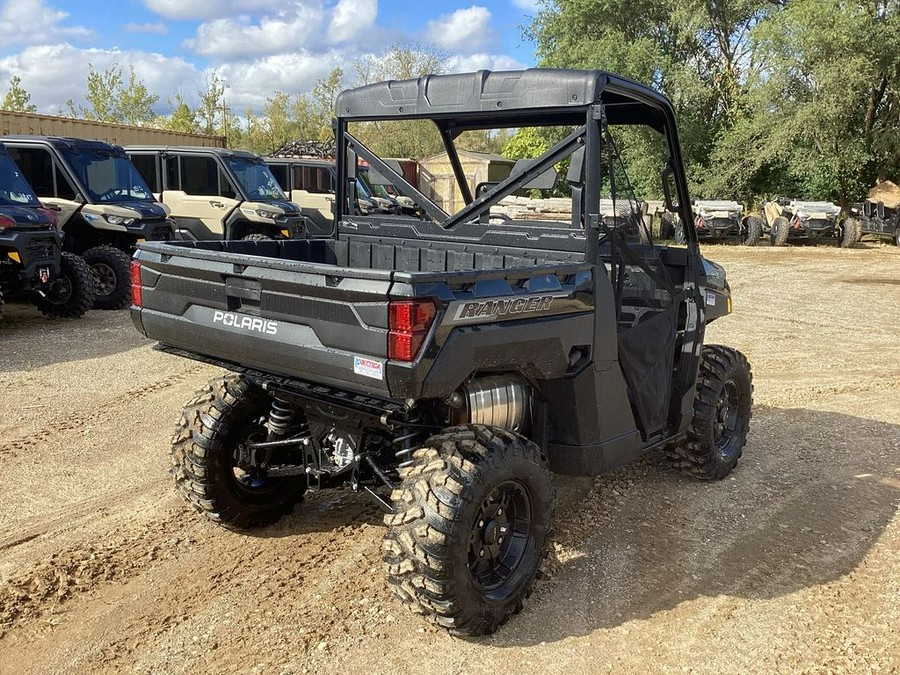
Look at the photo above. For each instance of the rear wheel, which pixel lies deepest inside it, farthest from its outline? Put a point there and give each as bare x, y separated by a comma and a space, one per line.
753, 233
667, 226
471, 525
209, 441
680, 236
851, 229
780, 230
257, 237
722, 409
71, 294
112, 276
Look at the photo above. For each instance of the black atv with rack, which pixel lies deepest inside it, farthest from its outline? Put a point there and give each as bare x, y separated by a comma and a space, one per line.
446, 365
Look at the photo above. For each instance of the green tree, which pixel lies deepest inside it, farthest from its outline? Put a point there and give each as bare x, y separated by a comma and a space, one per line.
17, 99
697, 52
110, 99
824, 121
181, 118
211, 113
400, 138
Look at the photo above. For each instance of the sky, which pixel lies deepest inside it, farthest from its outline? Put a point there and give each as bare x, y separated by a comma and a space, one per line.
257, 47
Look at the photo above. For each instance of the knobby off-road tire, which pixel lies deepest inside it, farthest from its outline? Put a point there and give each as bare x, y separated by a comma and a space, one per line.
722, 409
112, 277
221, 416
257, 237
73, 294
851, 232
471, 526
680, 235
667, 226
754, 231
780, 230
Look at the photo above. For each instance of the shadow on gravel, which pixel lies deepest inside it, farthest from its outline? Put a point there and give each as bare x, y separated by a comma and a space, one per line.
812, 494
28, 340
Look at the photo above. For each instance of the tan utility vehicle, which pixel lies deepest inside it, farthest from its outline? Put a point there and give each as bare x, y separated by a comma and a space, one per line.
104, 207
311, 184
216, 193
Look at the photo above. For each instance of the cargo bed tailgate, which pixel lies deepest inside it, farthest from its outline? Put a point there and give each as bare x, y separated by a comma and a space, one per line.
308, 320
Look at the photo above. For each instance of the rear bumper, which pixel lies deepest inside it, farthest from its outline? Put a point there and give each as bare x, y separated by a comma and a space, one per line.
277, 347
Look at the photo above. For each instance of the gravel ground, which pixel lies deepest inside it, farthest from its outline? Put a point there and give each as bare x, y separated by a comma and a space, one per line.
792, 564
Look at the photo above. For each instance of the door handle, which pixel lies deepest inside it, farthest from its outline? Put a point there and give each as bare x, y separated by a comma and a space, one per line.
217, 205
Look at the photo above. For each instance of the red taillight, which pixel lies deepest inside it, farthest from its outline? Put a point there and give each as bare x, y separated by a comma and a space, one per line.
136, 287
6, 222
409, 322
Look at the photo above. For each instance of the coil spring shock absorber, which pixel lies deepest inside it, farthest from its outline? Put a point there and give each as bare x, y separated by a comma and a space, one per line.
405, 443
280, 416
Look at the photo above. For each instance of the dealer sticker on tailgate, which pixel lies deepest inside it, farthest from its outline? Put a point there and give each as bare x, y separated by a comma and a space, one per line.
368, 367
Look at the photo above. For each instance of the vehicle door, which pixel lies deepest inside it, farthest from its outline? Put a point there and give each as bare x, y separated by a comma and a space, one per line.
53, 186
313, 189
200, 195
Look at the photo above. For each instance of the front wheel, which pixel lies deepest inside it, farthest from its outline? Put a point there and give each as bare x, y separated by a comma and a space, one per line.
112, 277
780, 231
207, 449
71, 294
472, 523
722, 409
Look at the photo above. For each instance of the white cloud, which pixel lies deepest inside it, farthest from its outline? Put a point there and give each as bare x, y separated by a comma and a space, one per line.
531, 6
51, 87
236, 37
465, 63
350, 17
16, 15
465, 30
147, 28
208, 9
250, 84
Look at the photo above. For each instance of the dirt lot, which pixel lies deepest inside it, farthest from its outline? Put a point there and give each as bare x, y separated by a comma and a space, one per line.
792, 564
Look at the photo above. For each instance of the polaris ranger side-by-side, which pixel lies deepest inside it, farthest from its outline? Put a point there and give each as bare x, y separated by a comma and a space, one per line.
32, 264
103, 205
446, 365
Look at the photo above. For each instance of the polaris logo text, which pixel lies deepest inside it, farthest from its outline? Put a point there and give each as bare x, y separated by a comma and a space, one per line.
489, 309
250, 323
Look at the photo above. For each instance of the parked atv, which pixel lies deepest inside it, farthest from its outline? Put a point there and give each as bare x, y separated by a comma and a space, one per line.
715, 220
103, 205
798, 221
445, 366
32, 264
876, 220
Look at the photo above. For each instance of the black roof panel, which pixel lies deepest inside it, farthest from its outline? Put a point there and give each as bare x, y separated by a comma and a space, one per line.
512, 98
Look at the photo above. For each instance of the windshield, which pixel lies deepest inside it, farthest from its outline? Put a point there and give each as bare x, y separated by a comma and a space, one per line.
108, 177
255, 179
374, 188
14, 189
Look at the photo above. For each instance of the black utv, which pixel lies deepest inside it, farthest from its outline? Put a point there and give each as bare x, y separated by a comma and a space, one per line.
874, 219
32, 264
103, 205
446, 365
